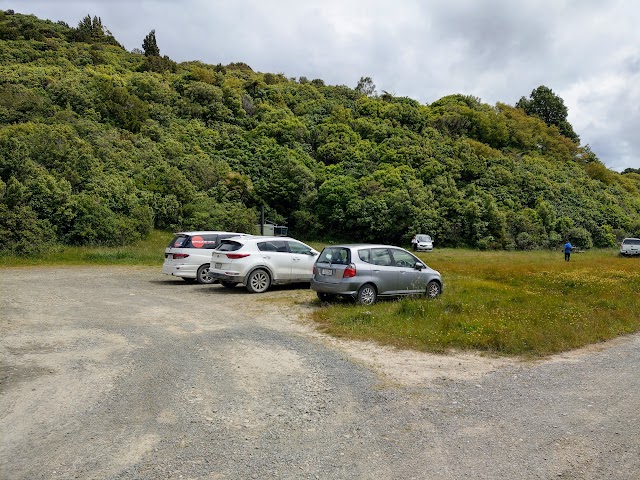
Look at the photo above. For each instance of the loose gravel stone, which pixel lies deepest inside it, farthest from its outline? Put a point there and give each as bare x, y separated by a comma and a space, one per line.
123, 373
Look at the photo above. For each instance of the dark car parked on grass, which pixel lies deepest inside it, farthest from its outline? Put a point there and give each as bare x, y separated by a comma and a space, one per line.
366, 272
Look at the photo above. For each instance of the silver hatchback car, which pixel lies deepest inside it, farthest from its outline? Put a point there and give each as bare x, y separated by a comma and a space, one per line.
366, 272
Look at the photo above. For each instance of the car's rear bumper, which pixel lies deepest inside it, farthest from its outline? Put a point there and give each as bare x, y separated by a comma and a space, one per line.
179, 270
340, 288
225, 277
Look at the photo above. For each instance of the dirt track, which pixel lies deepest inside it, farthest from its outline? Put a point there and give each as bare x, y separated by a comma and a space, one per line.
124, 373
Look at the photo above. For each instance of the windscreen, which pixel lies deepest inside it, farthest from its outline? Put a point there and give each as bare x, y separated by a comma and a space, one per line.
179, 241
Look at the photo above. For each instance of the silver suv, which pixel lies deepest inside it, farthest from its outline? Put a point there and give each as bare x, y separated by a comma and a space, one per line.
259, 262
366, 272
630, 246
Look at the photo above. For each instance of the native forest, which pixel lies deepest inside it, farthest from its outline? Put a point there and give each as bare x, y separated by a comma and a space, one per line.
100, 146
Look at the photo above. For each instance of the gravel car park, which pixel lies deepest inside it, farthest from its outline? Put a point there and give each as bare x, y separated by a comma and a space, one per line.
124, 373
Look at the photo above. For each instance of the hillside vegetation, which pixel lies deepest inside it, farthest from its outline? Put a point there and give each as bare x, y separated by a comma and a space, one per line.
99, 146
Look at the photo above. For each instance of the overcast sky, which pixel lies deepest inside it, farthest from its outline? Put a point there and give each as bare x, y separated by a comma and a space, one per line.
586, 51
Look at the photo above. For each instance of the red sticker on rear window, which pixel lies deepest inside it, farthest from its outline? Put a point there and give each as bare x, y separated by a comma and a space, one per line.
197, 241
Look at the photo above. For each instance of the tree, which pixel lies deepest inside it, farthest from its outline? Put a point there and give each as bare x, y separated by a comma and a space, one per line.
366, 86
548, 106
91, 30
150, 46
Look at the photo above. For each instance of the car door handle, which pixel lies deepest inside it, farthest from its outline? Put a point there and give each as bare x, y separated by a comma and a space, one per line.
296, 259
266, 257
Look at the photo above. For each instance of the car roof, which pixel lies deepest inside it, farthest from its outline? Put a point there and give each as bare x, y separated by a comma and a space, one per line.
262, 238
362, 245
208, 232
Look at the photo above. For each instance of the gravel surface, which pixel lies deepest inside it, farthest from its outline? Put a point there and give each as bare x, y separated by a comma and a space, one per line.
124, 373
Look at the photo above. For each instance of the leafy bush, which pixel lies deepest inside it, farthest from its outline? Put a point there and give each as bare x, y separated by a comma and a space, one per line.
99, 146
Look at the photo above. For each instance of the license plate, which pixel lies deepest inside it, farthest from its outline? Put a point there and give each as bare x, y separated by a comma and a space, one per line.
218, 265
327, 272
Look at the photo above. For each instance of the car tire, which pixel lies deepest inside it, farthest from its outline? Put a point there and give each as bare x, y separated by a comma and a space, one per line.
367, 294
325, 297
259, 281
228, 284
433, 289
203, 277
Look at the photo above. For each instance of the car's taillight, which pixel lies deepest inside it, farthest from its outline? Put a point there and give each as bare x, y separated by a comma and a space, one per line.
314, 268
180, 255
350, 271
237, 255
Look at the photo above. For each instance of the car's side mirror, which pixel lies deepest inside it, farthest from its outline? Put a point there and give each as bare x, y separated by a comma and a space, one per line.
419, 266
313, 252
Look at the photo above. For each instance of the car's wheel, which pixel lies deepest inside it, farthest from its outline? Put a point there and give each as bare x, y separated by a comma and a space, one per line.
433, 289
258, 281
367, 295
228, 284
325, 297
202, 276
189, 279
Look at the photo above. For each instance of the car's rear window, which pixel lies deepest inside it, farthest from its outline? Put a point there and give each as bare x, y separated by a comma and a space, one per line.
336, 255
631, 241
229, 246
206, 241
178, 241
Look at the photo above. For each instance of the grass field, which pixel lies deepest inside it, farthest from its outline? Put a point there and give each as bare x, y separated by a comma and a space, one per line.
528, 304
149, 251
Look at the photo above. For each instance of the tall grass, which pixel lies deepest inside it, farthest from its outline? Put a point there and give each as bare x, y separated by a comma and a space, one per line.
509, 303
149, 252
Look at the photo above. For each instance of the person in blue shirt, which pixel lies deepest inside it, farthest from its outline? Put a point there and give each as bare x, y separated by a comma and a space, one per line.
567, 250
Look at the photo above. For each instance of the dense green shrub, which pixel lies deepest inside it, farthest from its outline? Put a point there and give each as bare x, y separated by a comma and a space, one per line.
99, 146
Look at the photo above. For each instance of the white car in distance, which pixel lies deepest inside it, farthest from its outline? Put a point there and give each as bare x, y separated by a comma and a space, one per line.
630, 246
259, 262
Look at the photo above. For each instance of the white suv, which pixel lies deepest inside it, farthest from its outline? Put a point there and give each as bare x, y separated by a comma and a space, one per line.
630, 246
189, 253
259, 262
